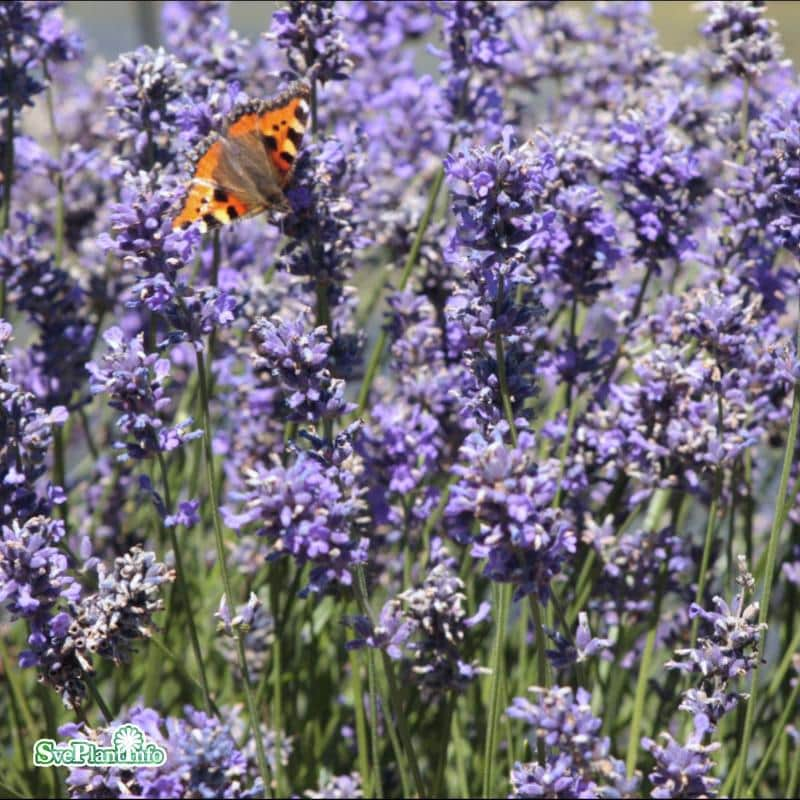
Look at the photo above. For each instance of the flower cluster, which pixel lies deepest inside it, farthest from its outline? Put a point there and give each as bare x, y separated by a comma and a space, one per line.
32, 35
26, 436
55, 304
311, 36
475, 47
144, 89
497, 224
578, 761
741, 37
502, 506
203, 759
135, 382
728, 653
296, 359
682, 771
36, 585
427, 625
108, 621
312, 510
512, 375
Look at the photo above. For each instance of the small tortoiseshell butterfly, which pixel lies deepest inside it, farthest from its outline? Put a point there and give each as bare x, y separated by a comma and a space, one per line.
245, 170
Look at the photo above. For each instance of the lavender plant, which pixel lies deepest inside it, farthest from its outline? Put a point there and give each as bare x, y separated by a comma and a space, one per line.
440, 470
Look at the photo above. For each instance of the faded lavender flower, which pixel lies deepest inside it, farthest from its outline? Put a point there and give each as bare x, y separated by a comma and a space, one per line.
110, 620
427, 626
259, 634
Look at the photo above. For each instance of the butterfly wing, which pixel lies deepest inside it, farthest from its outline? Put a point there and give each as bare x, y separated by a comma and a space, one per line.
279, 125
210, 200
245, 171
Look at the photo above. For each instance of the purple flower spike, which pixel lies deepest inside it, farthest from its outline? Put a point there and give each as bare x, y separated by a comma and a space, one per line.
578, 761
135, 384
502, 505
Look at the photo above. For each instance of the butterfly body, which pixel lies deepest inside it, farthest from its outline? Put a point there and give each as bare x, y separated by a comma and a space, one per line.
245, 170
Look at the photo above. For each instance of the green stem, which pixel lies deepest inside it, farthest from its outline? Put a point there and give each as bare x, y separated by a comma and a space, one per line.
505, 397
324, 318
573, 318
413, 254
59, 218
462, 754
639, 701
786, 663
377, 782
789, 711
640, 695
542, 667
51, 727
393, 701
571, 415
583, 586
749, 506
502, 594
443, 724
772, 549
98, 698
402, 724
17, 691
226, 581
711, 527
181, 667
361, 729
183, 584
277, 684
11, 793
637, 306
500, 357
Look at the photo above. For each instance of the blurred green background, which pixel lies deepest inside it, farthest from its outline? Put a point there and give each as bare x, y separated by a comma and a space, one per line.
114, 27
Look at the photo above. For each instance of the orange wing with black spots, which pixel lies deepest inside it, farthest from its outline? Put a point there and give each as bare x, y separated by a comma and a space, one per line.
207, 202
281, 124
244, 171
